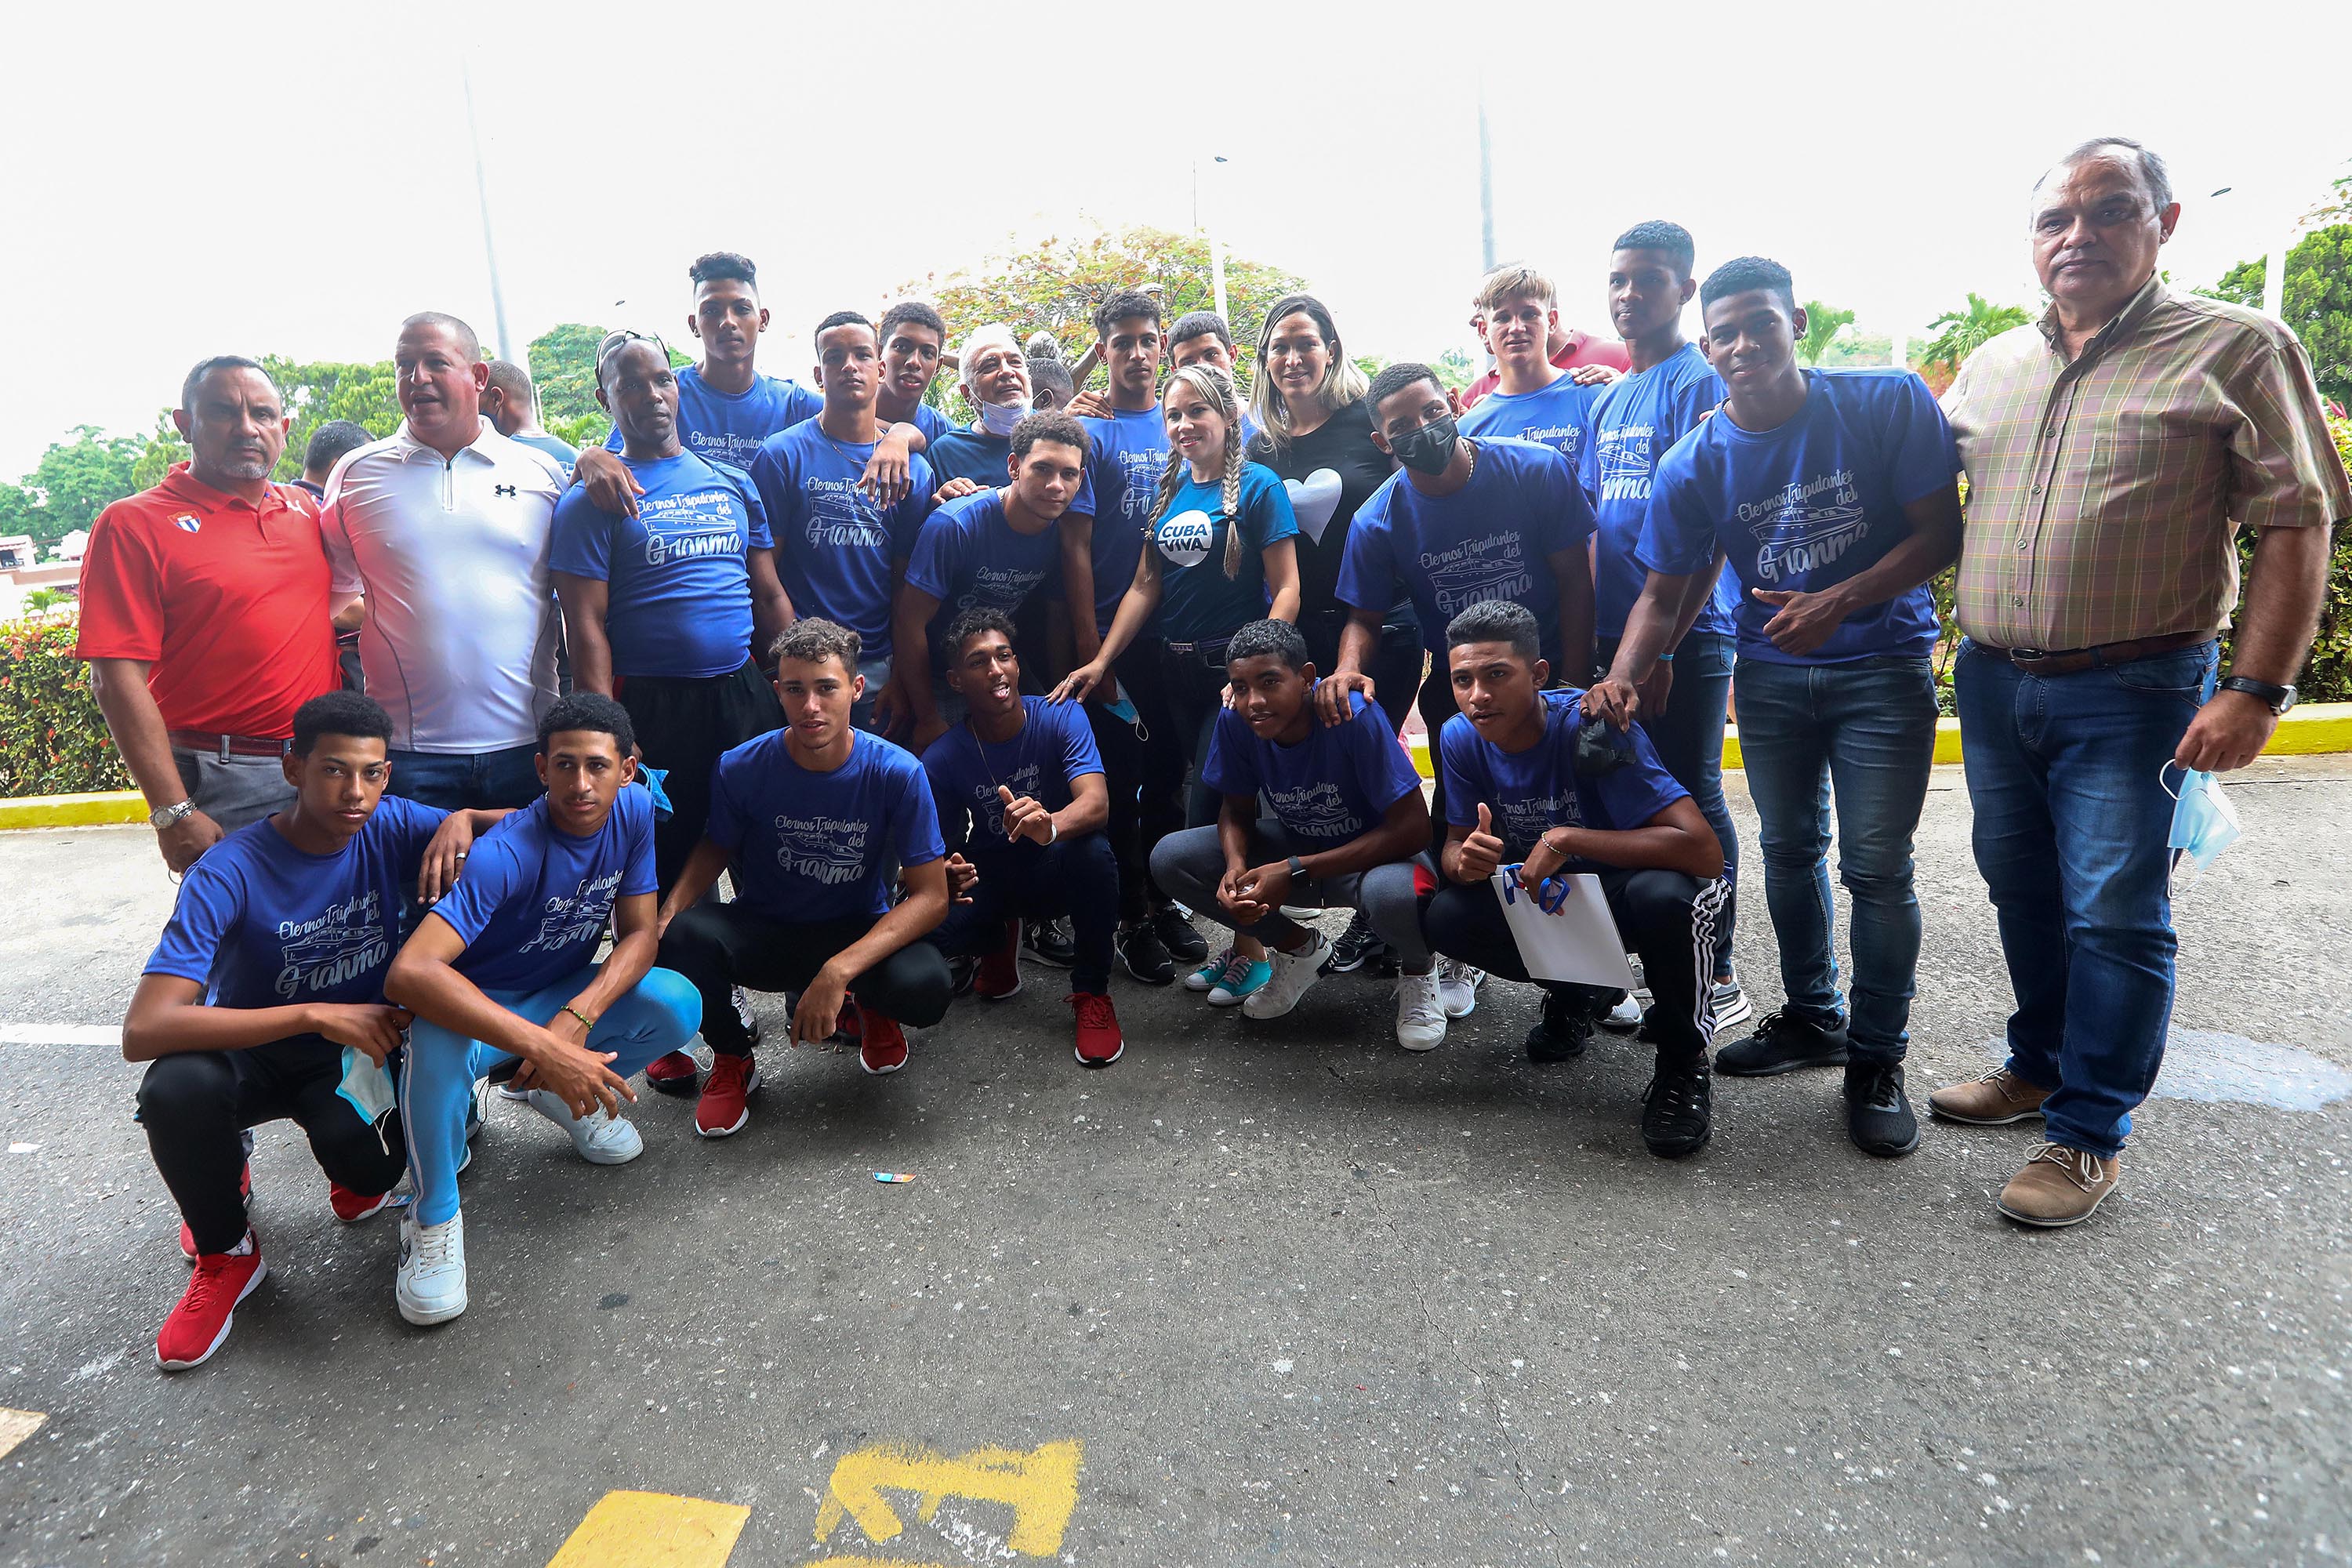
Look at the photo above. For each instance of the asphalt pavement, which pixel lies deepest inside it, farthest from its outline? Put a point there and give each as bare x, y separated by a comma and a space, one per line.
1273, 1293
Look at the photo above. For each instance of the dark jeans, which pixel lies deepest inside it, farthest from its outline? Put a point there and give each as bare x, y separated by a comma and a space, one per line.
1077, 876
684, 725
1866, 729
1395, 666
1144, 772
1665, 917
468, 781
1690, 738
1435, 700
1196, 684
2071, 830
197, 1105
721, 946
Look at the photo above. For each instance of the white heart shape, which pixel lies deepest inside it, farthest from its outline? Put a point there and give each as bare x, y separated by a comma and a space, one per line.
1314, 501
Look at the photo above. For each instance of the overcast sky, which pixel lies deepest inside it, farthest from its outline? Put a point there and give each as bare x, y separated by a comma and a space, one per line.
299, 178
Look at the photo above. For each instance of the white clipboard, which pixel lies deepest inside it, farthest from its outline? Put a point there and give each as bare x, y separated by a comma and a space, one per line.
1580, 943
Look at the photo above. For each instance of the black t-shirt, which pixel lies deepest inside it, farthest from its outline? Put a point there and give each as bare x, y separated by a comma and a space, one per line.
1329, 472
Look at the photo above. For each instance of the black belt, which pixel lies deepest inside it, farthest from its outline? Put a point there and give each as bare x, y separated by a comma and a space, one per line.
1209, 652
2067, 662
227, 746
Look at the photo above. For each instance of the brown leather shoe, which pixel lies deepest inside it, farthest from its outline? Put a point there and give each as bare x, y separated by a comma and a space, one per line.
2059, 1186
1996, 1100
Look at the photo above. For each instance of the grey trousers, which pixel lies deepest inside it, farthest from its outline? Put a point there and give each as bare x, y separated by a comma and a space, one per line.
237, 791
1190, 864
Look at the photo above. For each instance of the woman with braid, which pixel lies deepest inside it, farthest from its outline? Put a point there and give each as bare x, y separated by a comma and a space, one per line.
1223, 555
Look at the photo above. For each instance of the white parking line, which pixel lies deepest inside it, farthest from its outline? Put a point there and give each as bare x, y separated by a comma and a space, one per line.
108, 1035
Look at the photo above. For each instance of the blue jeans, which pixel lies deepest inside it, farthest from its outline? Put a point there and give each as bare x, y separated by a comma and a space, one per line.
468, 781
1690, 738
438, 1070
1866, 729
2070, 835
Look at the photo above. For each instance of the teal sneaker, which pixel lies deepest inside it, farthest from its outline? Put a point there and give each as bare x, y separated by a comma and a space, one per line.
1240, 977
1206, 977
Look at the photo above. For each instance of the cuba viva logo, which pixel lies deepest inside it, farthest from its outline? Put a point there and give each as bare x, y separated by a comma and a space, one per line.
1184, 538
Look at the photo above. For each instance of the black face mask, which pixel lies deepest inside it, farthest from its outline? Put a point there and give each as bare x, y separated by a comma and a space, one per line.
1601, 751
1428, 449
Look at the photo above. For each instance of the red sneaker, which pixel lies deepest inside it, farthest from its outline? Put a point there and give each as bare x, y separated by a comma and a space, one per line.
1099, 1041
199, 1324
188, 1238
352, 1207
672, 1074
1000, 972
721, 1111
881, 1044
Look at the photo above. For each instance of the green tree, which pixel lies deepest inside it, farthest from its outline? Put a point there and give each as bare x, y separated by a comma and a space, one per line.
1960, 334
562, 362
73, 482
2316, 301
1822, 323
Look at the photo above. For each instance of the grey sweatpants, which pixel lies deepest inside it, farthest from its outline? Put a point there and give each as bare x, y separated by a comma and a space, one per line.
1189, 866
234, 791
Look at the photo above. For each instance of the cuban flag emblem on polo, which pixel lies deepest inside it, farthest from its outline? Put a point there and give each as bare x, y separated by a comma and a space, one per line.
187, 522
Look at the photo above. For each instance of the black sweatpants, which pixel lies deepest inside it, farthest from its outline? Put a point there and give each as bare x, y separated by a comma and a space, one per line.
721, 946
684, 726
1144, 772
1666, 917
1076, 876
197, 1105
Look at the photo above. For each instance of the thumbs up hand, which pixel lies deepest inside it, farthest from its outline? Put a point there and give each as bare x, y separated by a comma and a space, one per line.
1476, 855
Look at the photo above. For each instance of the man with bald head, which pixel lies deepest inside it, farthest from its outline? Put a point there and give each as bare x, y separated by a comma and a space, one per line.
205, 616
444, 527
2114, 450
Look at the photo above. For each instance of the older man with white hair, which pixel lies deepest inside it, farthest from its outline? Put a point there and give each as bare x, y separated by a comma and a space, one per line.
2114, 450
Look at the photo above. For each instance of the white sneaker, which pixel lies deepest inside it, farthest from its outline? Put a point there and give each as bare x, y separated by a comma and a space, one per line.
1420, 1020
1626, 1017
1293, 973
1729, 1004
431, 1286
1457, 986
602, 1138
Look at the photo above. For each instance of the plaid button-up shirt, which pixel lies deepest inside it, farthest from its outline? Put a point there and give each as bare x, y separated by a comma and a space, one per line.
2105, 493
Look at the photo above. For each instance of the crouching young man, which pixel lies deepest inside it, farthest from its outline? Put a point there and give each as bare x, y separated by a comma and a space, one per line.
1025, 774
1349, 829
265, 1000
810, 819
1516, 792
501, 969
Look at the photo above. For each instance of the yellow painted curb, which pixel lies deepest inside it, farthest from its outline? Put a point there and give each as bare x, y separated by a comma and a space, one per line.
652, 1529
110, 809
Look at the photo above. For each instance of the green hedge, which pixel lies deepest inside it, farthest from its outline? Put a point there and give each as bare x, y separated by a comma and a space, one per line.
52, 738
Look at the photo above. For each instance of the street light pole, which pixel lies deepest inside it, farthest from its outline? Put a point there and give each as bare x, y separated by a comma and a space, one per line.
1216, 261
1486, 182
482, 196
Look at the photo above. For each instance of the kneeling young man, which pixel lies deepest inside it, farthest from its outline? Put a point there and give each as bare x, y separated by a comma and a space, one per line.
1514, 793
501, 969
1024, 773
1347, 831
810, 820
265, 1000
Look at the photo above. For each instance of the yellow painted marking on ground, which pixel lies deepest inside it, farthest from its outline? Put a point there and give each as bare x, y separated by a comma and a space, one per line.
870, 1563
1041, 1487
74, 810
16, 1425
652, 1529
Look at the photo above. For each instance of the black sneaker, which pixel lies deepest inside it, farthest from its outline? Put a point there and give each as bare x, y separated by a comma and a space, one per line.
1878, 1116
1358, 945
1566, 1029
1145, 955
1783, 1042
1049, 942
962, 973
1178, 938
1679, 1108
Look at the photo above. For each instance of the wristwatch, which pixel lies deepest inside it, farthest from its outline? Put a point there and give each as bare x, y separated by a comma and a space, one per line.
1297, 871
2278, 698
170, 816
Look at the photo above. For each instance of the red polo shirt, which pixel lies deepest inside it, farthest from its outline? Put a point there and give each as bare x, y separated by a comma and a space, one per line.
1583, 348
226, 604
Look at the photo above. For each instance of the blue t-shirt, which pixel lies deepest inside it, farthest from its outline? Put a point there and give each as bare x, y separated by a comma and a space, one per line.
833, 546
1198, 602
808, 846
1808, 505
1558, 415
535, 900
1130, 454
967, 555
1533, 791
1634, 421
679, 600
1492, 539
1332, 787
1055, 747
261, 924
564, 452
986, 459
721, 427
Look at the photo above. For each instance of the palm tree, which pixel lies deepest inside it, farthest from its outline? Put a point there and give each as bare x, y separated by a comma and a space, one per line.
1822, 324
1962, 332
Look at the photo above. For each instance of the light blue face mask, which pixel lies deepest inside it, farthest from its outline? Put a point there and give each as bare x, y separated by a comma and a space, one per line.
2204, 823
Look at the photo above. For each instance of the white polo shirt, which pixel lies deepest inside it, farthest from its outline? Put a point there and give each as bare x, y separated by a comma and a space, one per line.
459, 642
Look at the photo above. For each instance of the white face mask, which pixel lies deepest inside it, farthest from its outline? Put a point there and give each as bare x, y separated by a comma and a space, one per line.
999, 419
